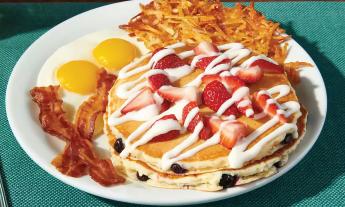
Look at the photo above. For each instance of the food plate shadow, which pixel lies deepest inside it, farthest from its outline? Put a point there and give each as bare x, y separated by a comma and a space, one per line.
306, 180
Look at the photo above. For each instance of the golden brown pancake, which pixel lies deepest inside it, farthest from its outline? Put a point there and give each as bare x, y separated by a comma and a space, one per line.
207, 166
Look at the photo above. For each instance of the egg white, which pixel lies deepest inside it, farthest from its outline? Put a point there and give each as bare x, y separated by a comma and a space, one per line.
79, 49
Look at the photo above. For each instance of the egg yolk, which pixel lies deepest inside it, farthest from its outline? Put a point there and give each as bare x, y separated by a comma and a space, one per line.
78, 76
115, 53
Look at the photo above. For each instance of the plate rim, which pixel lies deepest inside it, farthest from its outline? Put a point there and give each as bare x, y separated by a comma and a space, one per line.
65, 179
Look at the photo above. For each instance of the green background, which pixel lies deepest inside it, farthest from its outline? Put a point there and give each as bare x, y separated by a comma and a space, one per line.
319, 180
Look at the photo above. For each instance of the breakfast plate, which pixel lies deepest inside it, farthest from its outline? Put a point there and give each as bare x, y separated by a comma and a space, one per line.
42, 148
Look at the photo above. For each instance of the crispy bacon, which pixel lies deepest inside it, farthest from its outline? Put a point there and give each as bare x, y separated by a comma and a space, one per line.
69, 163
95, 105
52, 116
78, 157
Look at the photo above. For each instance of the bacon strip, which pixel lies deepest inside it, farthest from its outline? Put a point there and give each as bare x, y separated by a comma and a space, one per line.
93, 107
52, 116
78, 157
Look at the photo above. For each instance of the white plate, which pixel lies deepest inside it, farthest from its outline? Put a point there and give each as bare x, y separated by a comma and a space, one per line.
42, 148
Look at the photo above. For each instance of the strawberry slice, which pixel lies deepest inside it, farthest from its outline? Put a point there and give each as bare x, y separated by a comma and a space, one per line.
144, 98
165, 106
250, 75
245, 107
158, 80
233, 82
174, 94
205, 61
267, 66
197, 118
205, 48
205, 133
231, 132
169, 135
206, 79
271, 109
257, 109
214, 95
206, 130
169, 61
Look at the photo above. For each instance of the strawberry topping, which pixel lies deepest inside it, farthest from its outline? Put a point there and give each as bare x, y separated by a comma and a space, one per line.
268, 67
204, 62
169, 135
206, 79
251, 75
174, 94
231, 131
214, 95
144, 98
165, 106
205, 133
271, 109
169, 61
233, 82
197, 118
206, 48
158, 80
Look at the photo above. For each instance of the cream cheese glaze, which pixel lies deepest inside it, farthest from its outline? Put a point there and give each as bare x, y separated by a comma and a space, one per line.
152, 126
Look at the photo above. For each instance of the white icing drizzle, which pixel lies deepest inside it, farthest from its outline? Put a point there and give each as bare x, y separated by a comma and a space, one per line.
176, 110
160, 127
244, 103
282, 89
170, 157
236, 96
239, 155
149, 111
190, 116
151, 127
252, 59
175, 74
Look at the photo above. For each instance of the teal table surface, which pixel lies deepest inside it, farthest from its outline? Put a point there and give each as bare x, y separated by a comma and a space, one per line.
318, 180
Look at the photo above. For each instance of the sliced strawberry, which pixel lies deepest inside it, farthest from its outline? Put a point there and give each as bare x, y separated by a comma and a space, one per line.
197, 118
174, 94
257, 109
144, 98
169, 116
205, 48
231, 132
246, 109
169, 61
250, 75
233, 82
206, 130
158, 80
267, 66
271, 109
205, 61
169, 135
214, 95
165, 106
205, 133
206, 79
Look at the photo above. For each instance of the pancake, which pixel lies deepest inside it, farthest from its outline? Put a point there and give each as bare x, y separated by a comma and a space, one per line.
203, 162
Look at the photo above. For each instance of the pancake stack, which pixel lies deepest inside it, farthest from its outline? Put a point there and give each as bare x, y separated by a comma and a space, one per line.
246, 137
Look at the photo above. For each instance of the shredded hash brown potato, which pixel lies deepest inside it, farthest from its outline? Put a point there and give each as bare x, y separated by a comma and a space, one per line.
164, 22
78, 157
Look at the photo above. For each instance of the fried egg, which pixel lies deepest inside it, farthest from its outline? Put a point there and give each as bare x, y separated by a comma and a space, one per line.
76, 65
